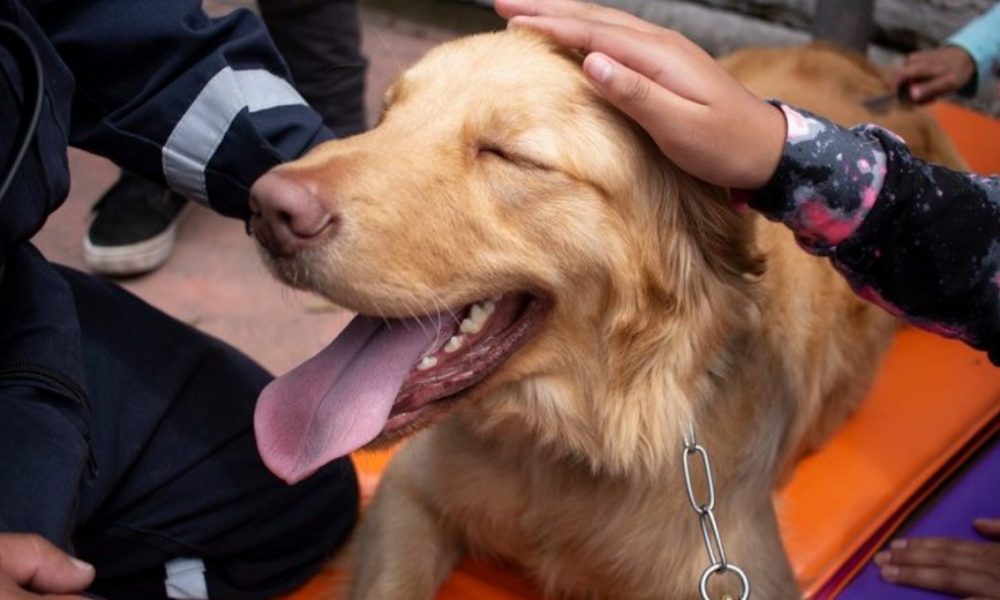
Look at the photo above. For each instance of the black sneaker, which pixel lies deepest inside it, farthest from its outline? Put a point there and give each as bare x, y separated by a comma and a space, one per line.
134, 227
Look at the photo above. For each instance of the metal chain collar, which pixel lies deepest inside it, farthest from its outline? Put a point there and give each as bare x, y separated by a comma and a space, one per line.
718, 563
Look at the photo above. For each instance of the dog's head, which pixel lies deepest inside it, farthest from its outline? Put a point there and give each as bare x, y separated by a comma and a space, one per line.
513, 244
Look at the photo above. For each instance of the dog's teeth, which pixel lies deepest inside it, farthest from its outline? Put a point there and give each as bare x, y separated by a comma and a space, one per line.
478, 314
427, 363
454, 343
470, 326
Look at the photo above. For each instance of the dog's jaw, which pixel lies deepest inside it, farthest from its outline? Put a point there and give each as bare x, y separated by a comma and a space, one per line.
463, 366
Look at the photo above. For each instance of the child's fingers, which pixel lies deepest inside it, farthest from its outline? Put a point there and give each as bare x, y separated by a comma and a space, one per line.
932, 88
36, 564
951, 554
961, 567
632, 93
951, 581
915, 67
570, 8
989, 527
656, 57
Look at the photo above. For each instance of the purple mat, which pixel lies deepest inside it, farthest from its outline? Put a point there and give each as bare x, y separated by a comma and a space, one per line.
975, 494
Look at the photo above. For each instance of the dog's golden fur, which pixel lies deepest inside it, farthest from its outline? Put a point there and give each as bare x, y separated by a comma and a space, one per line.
669, 307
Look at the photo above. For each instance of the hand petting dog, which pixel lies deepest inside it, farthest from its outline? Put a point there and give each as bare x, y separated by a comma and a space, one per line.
701, 118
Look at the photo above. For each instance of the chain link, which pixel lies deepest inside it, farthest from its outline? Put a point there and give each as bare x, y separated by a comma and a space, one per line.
718, 563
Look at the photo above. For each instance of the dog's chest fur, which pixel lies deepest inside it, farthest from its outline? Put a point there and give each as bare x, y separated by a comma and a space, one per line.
578, 534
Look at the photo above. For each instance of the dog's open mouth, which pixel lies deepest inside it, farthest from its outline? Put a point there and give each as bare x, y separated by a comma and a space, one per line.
383, 374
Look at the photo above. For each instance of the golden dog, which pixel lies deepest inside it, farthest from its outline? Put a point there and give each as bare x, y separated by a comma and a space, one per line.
560, 301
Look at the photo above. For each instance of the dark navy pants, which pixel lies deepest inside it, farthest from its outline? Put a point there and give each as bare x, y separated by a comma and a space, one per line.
151, 461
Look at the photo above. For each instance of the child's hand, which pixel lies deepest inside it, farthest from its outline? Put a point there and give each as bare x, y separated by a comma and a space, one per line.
931, 74
701, 118
31, 567
963, 568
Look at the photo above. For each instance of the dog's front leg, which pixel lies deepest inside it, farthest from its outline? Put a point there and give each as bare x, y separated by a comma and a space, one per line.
402, 551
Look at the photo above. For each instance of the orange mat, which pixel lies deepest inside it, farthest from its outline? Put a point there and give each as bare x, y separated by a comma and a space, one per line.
931, 396
976, 135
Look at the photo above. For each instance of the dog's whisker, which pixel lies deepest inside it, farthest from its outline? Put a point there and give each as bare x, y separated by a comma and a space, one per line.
414, 314
440, 306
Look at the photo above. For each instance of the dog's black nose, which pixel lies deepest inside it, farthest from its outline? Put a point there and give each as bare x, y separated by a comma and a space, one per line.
288, 214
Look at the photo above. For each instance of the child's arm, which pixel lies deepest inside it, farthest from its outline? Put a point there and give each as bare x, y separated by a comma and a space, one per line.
918, 239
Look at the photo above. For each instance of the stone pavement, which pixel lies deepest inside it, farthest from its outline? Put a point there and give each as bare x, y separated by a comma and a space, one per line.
214, 280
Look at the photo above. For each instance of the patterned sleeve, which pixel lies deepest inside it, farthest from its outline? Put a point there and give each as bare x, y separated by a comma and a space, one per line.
918, 239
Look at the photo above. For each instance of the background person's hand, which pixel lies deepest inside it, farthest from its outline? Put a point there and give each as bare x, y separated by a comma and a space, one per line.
963, 568
701, 118
931, 74
32, 568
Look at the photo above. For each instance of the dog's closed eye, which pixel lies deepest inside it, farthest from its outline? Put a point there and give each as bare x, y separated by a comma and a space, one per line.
492, 150
489, 150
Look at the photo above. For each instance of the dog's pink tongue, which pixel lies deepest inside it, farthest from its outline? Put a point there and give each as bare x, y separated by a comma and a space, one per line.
339, 400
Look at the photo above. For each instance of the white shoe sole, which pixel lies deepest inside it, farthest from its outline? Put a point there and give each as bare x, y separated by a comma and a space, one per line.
133, 259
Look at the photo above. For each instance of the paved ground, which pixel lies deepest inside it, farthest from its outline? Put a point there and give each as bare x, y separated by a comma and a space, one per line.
214, 280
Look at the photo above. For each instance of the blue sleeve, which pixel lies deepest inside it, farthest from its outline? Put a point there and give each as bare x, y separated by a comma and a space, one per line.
918, 239
981, 39
203, 105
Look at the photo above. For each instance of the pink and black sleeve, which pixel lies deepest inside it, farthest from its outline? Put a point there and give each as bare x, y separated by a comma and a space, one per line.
920, 240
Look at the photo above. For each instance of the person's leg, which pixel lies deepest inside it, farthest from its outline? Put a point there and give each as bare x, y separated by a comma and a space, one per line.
321, 41
179, 476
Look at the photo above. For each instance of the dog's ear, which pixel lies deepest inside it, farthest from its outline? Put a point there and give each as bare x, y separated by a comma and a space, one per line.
706, 237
